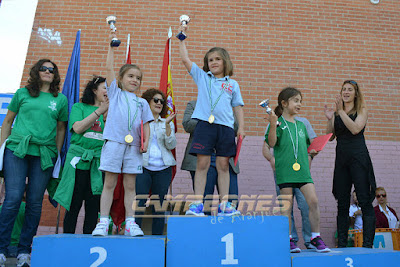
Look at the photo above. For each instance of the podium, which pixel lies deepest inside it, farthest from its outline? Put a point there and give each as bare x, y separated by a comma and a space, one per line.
85, 250
228, 241
346, 257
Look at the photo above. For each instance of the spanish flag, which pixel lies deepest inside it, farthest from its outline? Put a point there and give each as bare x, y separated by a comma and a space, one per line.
166, 87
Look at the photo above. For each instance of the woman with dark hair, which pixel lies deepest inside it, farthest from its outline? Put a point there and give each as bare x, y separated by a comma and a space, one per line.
31, 149
158, 159
352, 164
81, 179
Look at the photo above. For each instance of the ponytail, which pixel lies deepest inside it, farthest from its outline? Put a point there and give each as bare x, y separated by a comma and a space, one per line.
278, 110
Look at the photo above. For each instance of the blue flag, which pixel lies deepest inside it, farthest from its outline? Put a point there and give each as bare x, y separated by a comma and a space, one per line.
71, 87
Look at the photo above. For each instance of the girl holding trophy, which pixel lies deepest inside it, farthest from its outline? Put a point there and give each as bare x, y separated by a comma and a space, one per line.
218, 97
122, 148
290, 141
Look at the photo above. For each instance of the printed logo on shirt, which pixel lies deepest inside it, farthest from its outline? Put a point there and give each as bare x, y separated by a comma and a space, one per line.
227, 87
301, 133
96, 126
53, 105
139, 168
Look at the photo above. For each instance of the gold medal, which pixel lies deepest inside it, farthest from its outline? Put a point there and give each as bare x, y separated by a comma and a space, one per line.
129, 138
296, 166
211, 119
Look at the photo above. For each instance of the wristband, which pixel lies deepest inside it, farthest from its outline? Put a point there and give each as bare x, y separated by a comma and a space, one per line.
96, 113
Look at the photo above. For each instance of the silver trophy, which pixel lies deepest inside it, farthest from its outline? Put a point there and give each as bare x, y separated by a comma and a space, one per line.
184, 19
265, 104
111, 21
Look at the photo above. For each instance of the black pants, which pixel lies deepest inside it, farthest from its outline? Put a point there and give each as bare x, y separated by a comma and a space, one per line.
82, 192
352, 167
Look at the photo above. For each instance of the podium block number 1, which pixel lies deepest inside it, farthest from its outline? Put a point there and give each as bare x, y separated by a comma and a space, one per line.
102, 255
229, 251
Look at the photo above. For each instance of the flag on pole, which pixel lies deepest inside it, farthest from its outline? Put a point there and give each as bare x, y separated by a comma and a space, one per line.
166, 86
128, 50
71, 87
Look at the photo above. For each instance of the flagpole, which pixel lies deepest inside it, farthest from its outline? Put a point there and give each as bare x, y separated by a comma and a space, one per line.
127, 47
169, 64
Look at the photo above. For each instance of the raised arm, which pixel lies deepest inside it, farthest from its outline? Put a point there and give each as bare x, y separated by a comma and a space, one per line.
358, 124
329, 114
272, 129
183, 51
110, 62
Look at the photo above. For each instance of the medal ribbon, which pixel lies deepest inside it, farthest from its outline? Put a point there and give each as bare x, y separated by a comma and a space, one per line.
130, 122
209, 93
295, 149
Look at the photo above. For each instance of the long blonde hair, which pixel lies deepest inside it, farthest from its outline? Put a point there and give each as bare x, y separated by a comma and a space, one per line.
359, 102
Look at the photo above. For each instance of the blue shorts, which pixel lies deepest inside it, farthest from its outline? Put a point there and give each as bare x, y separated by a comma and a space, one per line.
209, 138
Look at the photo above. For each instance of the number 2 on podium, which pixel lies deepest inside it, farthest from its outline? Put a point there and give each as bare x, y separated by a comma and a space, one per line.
229, 251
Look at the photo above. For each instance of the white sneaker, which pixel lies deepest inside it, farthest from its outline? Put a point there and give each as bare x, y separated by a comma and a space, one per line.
3, 260
101, 228
24, 260
133, 229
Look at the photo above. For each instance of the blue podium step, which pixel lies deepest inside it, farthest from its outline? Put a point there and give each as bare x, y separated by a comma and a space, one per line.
345, 257
228, 241
84, 250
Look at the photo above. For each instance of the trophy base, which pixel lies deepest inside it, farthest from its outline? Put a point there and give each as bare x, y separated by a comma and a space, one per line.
181, 36
115, 43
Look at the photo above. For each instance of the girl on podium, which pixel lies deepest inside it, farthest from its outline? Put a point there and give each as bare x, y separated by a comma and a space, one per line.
217, 95
290, 140
122, 148
352, 164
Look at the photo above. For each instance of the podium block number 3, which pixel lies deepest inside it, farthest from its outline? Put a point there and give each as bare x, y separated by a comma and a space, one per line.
102, 255
229, 250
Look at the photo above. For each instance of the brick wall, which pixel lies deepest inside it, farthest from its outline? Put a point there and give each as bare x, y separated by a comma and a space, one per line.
312, 45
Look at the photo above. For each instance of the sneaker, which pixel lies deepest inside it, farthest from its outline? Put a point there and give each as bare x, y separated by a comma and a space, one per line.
195, 208
132, 229
293, 247
23, 260
227, 208
3, 260
319, 244
101, 228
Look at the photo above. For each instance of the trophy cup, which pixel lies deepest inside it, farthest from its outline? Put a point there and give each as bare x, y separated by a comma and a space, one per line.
184, 21
265, 104
111, 21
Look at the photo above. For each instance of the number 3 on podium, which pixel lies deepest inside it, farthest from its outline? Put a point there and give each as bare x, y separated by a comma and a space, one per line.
229, 250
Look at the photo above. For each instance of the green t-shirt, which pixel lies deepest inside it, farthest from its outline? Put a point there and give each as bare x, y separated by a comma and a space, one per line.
38, 117
19, 222
92, 138
284, 153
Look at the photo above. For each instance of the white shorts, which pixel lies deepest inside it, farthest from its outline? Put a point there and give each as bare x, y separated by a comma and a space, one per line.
121, 158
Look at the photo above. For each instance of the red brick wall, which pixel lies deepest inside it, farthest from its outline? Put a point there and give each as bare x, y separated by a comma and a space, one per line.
312, 45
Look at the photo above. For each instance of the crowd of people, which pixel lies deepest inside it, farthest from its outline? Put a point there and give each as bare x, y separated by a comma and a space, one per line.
111, 120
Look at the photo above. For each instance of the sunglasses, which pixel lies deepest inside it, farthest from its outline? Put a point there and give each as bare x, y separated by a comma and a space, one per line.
44, 68
380, 195
156, 100
352, 82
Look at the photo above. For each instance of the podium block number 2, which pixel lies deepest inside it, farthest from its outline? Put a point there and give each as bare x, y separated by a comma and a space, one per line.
102, 255
229, 251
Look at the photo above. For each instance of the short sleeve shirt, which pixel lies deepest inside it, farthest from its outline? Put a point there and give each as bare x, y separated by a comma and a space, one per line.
121, 103
225, 89
38, 117
92, 138
284, 152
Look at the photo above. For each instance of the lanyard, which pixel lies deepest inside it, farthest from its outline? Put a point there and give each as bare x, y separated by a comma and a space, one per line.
295, 149
226, 85
130, 122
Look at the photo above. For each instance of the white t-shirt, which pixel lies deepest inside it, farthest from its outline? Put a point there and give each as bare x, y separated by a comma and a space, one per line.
358, 223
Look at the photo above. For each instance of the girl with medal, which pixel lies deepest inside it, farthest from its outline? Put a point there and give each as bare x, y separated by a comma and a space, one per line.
290, 141
218, 98
122, 149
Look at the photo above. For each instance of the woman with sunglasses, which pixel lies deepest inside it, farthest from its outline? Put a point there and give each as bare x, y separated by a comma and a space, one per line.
31, 149
386, 217
353, 163
158, 159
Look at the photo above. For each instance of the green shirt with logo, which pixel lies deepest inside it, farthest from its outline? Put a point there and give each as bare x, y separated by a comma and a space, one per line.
284, 152
37, 117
